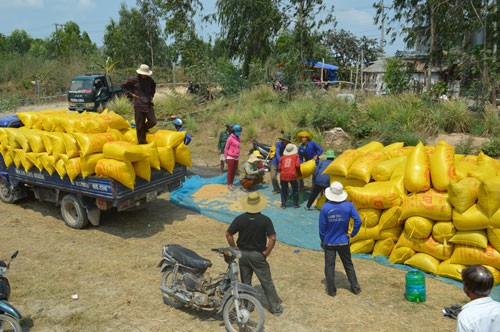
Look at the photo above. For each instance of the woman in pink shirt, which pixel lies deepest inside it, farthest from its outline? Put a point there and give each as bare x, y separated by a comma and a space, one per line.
232, 154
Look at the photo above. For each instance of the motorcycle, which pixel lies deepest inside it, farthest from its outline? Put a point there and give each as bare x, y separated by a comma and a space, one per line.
265, 151
184, 283
9, 316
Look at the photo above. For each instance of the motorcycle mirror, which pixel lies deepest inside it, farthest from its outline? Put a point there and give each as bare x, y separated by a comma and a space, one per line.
14, 255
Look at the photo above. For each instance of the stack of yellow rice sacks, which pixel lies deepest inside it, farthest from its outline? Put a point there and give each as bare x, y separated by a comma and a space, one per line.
424, 206
86, 144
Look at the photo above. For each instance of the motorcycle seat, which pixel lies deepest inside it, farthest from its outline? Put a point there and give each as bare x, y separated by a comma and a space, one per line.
188, 258
266, 147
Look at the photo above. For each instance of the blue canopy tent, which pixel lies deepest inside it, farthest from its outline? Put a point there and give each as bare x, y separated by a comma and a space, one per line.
328, 72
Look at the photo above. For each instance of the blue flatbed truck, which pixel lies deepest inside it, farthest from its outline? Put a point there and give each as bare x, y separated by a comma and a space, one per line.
82, 200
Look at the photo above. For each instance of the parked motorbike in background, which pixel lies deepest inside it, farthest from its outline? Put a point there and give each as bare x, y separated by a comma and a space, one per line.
9, 316
184, 283
265, 151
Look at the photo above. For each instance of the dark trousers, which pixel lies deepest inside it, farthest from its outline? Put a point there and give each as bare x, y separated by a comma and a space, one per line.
144, 120
232, 167
345, 255
255, 261
284, 191
316, 190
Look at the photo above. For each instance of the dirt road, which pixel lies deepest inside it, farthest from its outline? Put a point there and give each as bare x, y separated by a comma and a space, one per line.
112, 269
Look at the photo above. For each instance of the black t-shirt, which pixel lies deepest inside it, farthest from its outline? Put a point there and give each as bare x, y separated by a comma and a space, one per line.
253, 230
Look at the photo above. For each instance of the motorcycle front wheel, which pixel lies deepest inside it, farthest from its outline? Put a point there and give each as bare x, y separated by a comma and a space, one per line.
251, 314
168, 281
9, 324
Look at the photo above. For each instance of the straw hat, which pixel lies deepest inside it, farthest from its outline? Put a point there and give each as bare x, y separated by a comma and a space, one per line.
253, 158
254, 202
290, 149
329, 154
302, 134
144, 70
336, 192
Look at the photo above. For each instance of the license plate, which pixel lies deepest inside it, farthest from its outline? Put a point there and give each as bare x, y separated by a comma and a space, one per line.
76, 100
151, 196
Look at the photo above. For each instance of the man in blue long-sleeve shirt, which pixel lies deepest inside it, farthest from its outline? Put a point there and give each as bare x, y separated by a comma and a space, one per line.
334, 234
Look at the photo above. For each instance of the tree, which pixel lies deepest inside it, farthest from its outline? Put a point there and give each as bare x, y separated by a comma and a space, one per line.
18, 42
397, 76
247, 28
69, 41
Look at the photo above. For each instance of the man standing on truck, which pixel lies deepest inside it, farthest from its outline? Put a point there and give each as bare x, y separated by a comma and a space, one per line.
142, 89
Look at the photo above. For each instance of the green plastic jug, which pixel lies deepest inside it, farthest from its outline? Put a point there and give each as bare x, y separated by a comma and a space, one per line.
415, 286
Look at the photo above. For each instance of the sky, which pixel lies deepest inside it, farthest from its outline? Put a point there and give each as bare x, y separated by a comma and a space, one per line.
39, 17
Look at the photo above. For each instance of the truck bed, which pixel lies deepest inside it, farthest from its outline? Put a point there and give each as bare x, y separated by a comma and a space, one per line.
97, 187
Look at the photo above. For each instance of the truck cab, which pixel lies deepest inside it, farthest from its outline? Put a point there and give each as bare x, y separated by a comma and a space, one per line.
90, 92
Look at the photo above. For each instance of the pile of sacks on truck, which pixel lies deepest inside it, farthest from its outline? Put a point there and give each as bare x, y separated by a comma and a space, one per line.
424, 206
86, 144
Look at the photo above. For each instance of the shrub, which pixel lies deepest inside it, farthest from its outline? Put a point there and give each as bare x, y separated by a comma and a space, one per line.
121, 106
492, 147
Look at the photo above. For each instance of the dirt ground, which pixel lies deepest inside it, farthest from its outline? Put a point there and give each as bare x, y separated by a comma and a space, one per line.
112, 269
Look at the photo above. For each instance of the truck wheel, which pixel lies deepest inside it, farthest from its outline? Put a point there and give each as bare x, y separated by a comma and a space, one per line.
73, 213
6, 192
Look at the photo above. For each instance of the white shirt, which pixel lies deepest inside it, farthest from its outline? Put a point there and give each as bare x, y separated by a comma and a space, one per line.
479, 315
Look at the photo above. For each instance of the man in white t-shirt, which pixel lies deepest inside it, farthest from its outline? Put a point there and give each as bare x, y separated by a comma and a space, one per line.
482, 313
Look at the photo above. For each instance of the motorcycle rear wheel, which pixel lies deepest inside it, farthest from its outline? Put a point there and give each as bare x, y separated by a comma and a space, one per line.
167, 280
9, 324
252, 312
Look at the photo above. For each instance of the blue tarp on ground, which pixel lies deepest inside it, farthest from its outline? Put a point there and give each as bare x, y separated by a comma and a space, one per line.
296, 227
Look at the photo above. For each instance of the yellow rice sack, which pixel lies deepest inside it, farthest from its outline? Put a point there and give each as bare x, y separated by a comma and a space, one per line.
18, 140
7, 156
473, 218
183, 155
121, 171
24, 161
476, 256
399, 172
306, 169
113, 120
443, 231
34, 158
393, 146
495, 273
495, 219
464, 167
401, 152
377, 195
400, 255
361, 169
35, 141
431, 204
71, 146
383, 247
153, 157
494, 237
486, 167
370, 147
450, 270
56, 142
362, 247
143, 169
383, 170
342, 163
471, 238
89, 162
418, 227
389, 218
92, 143
429, 246
376, 233
442, 163
463, 194
15, 157
489, 195
417, 177
130, 135
369, 217
61, 168
48, 162
424, 262
73, 167
124, 151
167, 158
167, 138
345, 181
30, 118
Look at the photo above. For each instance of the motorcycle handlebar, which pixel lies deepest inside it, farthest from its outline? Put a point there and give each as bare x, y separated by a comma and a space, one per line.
233, 251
